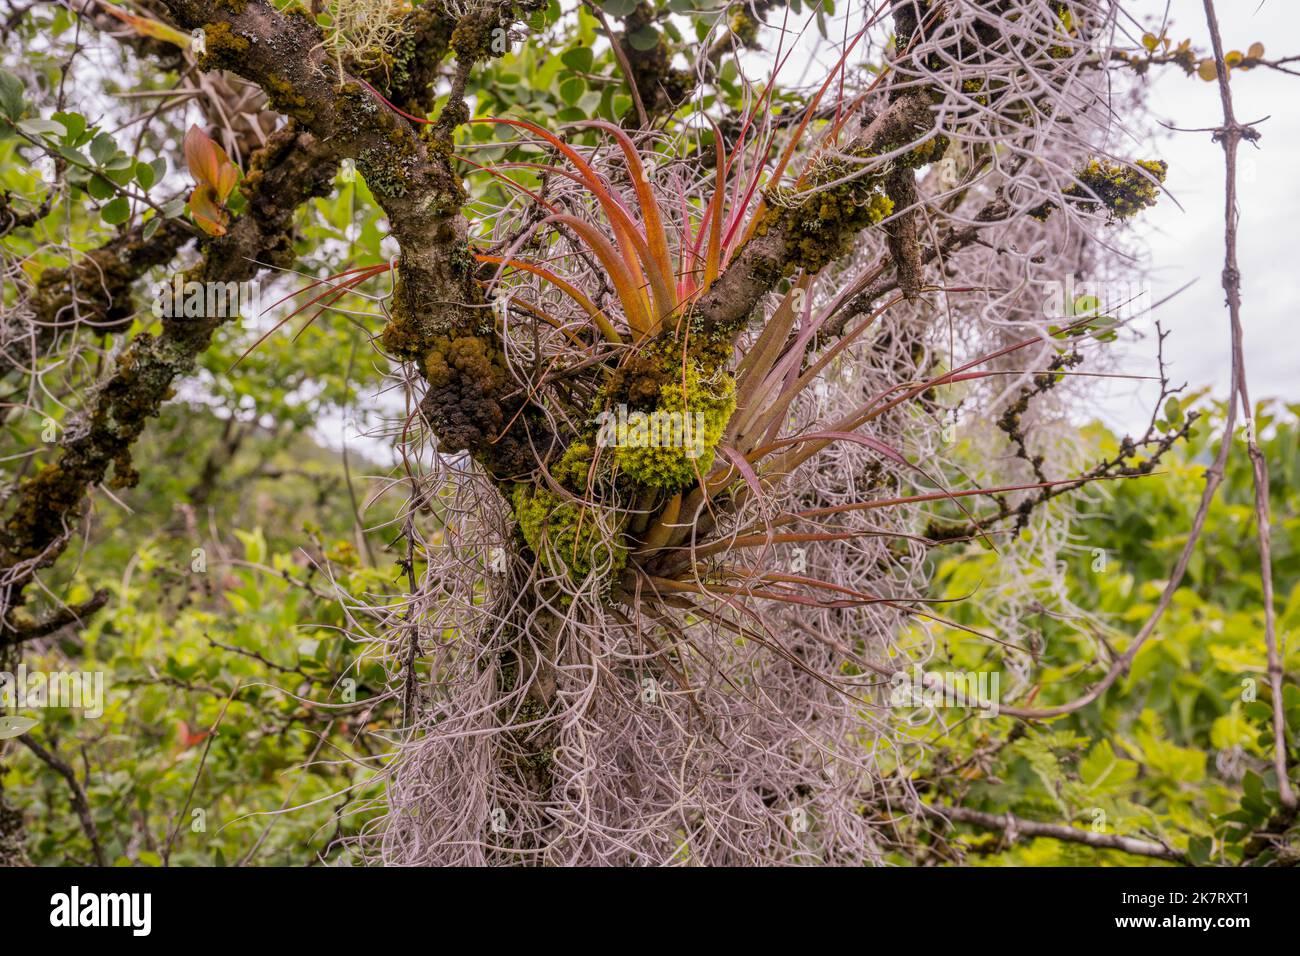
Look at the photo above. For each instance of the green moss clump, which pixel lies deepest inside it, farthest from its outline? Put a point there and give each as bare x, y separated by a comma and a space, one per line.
1124, 190
663, 412
674, 443
465, 357
574, 466
931, 151
284, 98
566, 537
743, 26
471, 40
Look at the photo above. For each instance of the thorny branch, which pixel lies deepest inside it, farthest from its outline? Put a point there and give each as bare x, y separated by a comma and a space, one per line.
1229, 136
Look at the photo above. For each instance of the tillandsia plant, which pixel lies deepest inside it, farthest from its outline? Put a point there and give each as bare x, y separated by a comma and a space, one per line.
695, 369
660, 634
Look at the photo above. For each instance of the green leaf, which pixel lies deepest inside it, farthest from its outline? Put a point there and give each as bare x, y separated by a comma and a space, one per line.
1199, 850
1173, 411
100, 188
144, 175
571, 90
74, 123
647, 38
254, 545
618, 8
41, 127
103, 148
579, 58
174, 209
75, 156
151, 227
11, 95
116, 212
119, 174
15, 726
1102, 770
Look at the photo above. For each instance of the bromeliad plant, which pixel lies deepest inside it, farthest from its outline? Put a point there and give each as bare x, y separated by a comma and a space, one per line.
663, 639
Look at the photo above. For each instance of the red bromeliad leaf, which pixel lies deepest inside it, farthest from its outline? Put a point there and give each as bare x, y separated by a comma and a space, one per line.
209, 164
598, 317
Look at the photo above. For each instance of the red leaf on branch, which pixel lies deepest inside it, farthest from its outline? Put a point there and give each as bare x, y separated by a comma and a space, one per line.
209, 164
215, 175
208, 214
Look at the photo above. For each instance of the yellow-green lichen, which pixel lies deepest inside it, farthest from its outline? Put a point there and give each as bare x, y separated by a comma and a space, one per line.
743, 26
282, 96
222, 48
823, 224
930, 151
1123, 189
977, 89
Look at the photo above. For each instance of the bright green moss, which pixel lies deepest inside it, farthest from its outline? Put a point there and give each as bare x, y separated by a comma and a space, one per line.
671, 445
574, 466
566, 537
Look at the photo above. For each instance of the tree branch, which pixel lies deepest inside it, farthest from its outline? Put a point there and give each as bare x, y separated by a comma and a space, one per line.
1015, 826
293, 167
79, 801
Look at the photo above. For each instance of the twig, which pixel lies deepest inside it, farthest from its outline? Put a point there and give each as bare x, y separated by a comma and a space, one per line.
1230, 136
194, 785
623, 63
1015, 826
79, 801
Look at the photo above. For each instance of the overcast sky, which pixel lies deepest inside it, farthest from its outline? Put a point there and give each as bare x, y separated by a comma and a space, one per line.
1187, 243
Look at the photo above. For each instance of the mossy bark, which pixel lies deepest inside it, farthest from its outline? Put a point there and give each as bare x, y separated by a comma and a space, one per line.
44, 509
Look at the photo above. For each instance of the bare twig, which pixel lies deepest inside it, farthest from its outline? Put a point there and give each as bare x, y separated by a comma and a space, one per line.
79, 802
1229, 136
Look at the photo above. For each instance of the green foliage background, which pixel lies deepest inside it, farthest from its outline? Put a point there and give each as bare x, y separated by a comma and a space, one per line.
1179, 748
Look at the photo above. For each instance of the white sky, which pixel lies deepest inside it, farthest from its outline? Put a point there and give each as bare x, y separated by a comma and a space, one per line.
1187, 243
